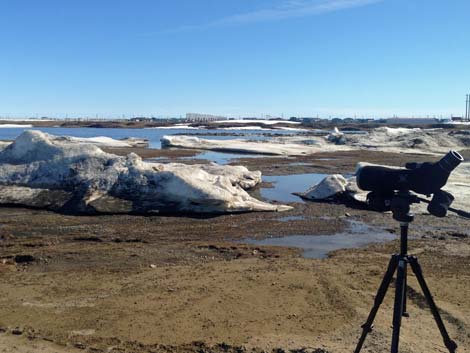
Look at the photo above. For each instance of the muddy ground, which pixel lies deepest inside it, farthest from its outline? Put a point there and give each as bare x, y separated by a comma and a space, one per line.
180, 284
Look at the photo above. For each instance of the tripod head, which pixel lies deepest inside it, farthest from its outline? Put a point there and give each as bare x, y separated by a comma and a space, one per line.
399, 202
400, 206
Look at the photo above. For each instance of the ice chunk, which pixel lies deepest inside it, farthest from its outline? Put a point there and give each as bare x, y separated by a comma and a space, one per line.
244, 146
103, 182
330, 186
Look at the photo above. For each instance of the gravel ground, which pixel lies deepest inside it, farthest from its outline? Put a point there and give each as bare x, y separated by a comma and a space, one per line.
180, 284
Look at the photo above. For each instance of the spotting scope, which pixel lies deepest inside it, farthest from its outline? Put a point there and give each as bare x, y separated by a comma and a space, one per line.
422, 178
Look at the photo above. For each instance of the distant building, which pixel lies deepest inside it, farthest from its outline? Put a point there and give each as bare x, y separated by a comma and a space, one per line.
411, 121
308, 120
202, 118
457, 118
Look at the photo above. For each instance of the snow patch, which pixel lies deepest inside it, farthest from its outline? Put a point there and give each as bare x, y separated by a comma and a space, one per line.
99, 140
15, 126
399, 131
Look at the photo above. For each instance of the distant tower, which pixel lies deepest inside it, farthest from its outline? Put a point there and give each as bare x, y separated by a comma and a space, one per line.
467, 108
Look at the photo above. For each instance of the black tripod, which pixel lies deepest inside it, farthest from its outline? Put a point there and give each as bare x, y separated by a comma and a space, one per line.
400, 205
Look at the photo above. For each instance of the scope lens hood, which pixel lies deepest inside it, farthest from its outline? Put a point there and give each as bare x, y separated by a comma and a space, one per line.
451, 161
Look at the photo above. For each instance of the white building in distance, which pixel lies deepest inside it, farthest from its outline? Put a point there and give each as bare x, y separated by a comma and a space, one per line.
195, 117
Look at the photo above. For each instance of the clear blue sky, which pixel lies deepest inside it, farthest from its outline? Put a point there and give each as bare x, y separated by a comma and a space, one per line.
234, 57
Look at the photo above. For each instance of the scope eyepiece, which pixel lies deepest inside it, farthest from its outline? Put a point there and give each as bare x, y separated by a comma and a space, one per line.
450, 161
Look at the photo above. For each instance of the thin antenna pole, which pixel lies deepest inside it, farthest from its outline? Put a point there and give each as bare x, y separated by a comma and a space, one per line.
466, 106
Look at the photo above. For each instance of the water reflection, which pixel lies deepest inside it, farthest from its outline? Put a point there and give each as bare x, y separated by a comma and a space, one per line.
318, 246
222, 157
285, 185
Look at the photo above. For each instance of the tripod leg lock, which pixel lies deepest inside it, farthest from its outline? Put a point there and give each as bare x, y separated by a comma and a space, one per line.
367, 327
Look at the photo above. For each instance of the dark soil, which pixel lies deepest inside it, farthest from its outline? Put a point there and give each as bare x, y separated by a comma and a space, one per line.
189, 284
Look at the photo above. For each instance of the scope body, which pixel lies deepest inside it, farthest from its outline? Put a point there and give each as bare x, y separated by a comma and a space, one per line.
425, 178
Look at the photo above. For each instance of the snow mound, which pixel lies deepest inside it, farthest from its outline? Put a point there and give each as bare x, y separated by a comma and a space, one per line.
397, 131
32, 146
273, 147
404, 140
383, 139
336, 137
42, 170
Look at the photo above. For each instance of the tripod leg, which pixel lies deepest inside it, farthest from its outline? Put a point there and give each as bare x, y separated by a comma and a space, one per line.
398, 307
367, 327
403, 252
405, 313
451, 345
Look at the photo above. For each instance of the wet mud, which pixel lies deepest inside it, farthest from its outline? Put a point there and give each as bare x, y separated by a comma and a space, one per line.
191, 284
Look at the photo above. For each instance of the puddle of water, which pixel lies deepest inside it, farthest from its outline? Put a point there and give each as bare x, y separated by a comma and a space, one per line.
224, 158
155, 159
318, 246
355, 132
221, 158
285, 185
